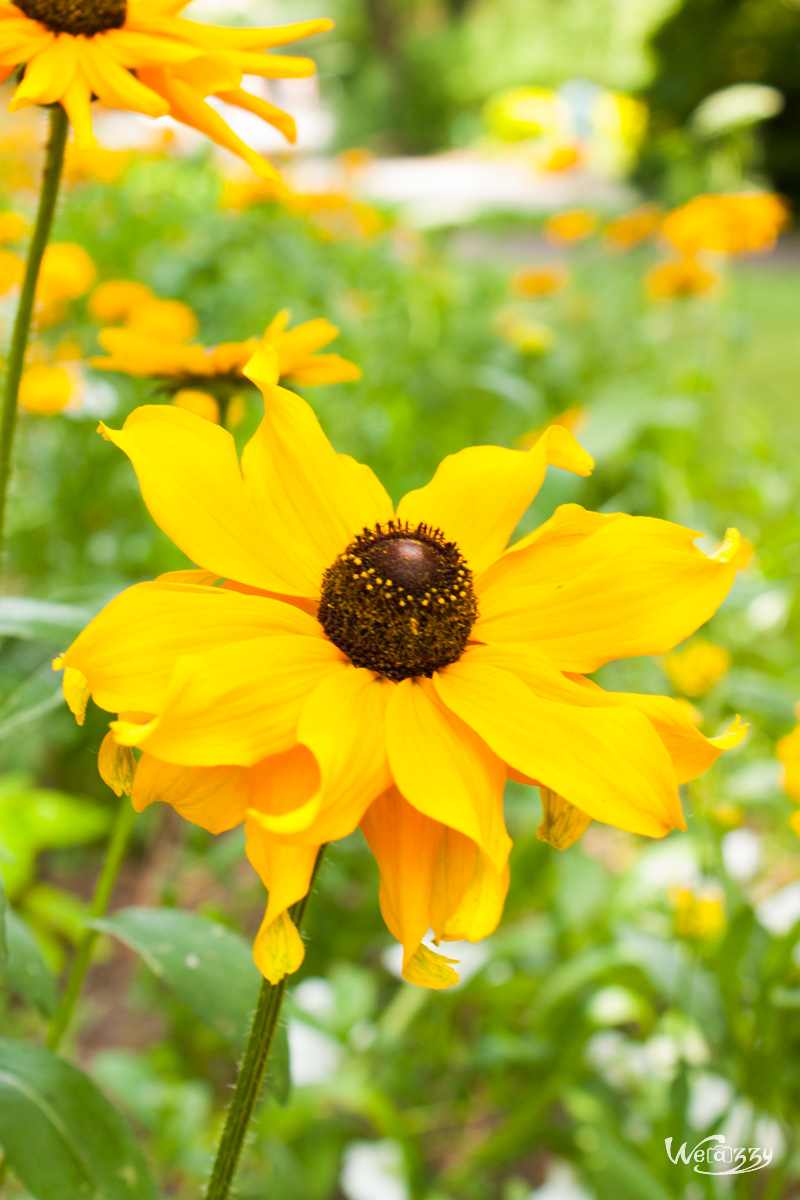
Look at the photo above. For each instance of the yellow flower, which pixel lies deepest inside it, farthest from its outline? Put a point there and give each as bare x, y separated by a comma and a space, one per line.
139, 55
166, 320
362, 665
633, 227
146, 355
787, 752
82, 164
573, 225
199, 403
540, 281
669, 280
563, 158
67, 272
12, 227
699, 915
571, 419
532, 338
45, 390
697, 667
12, 270
728, 223
116, 299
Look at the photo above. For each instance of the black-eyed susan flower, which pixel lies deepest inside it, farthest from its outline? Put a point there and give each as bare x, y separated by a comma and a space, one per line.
633, 227
138, 350
336, 661
572, 225
674, 280
139, 55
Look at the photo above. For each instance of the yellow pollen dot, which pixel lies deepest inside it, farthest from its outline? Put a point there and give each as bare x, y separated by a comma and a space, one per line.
371, 571
369, 587
379, 582
402, 603
425, 603
388, 583
356, 575
357, 561
462, 594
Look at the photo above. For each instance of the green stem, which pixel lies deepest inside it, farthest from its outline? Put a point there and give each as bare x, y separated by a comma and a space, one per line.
115, 853
22, 325
253, 1068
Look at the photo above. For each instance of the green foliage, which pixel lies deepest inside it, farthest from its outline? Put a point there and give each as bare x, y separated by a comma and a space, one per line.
61, 1136
23, 969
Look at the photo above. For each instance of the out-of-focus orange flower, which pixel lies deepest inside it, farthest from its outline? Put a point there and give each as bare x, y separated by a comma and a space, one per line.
632, 228
13, 227
92, 164
573, 225
67, 273
729, 223
45, 390
540, 281
669, 280
116, 299
697, 667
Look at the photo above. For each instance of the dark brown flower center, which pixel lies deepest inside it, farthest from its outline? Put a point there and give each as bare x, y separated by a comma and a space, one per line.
76, 16
399, 601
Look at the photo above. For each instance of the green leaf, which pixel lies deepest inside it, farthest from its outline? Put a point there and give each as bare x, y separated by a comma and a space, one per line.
24, 969
62, 1137
3, 935
208, 967
41, 621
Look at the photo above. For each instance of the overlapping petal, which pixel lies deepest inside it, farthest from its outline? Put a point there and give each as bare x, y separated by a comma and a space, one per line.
478, 496
215, 798
636, 585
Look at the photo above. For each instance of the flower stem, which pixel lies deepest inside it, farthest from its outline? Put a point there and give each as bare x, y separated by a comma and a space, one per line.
253, 1068
48, 196
115, 853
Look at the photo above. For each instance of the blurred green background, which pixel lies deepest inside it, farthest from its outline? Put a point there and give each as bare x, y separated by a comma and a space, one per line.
635, 991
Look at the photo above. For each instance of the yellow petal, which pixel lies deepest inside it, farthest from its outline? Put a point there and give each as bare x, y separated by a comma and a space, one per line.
478, 495
430, 970
192, 484
49, 75
468, 893
276, 117
539, 557
116, 766
562, 823
285, 870
129, 651
405, 845
215, 798
77, 101
299, 483
609, 762
444, 770
343, 726
636, 586
237, 704
77, 691
278, 949
787, 751
112, 84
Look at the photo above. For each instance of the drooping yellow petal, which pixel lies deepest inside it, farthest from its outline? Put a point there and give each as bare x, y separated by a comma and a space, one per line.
48, 75
276, 117
429, 970
129, 651
77, 100
562, 823
77, 691
278, 949
116, 766
468, 892
299, 483
691, 752
112, 84
236, 704
609, 762
215, 798
444, 770
192, 484
477, 496
636, 586
286, 872
342, 726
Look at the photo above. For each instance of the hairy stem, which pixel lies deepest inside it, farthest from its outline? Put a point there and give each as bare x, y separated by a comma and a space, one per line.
115, 852
253, 1068
48, 196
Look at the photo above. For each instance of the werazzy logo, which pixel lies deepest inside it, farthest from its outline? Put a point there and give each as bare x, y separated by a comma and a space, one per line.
713, 1157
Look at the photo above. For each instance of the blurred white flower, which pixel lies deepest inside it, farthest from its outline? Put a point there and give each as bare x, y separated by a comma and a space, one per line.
780, 911
741, 853
374, 1171
314, 1058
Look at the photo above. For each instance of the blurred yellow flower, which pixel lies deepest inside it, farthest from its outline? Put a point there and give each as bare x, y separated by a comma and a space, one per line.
532, 338
697, 667
139, 55
699, 914
563, 158
67, 272
526, 112
167, 320
572, 225
82, 164
787, 751
45, 390
12, 227
200, 403
116, 299
12, 270
726, 816
540, 281
366, 666
633, 227
672, 280
133, 351
728, 223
